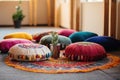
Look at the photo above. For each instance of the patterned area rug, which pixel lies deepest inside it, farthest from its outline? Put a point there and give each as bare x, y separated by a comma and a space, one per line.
63, 65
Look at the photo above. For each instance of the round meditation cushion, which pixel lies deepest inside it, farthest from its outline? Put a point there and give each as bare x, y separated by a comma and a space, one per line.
66, 32
29, 52
64, 41
6, 44
22, 35
81, 36
108, 43
85, 51
38, 36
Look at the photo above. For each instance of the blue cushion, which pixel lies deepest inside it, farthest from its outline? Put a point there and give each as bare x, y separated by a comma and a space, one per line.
108, 43
81, 36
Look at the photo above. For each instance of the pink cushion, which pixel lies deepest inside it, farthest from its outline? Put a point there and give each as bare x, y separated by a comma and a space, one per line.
66, 32
6, 44
85, 51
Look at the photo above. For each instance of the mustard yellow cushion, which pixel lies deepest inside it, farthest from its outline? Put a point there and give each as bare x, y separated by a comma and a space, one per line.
22, 35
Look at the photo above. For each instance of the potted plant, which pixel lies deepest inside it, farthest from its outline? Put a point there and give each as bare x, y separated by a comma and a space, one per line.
18, 15
55, 46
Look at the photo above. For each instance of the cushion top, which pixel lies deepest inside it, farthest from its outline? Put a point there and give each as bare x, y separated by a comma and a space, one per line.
6, 44
85, 51
108, 43
81, 36
30, 52
22, 35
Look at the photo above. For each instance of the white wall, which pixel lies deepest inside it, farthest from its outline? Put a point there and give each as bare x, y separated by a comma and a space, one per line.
92, 15
7, 8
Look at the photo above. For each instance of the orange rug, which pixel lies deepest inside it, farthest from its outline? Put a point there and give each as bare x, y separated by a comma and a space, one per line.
63, 65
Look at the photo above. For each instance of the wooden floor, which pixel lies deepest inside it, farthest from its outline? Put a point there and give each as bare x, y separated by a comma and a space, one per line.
9, 73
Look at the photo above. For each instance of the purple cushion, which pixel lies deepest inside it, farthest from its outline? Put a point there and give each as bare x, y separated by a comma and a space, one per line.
6, 44
66, 32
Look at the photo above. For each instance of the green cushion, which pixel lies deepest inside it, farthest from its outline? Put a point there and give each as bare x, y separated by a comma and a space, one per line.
64, 41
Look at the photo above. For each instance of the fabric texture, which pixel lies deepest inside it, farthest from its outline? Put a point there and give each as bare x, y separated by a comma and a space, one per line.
63, 65
85, 51
22, 35
108, 43
64, 41
81, 36
29, 52
66, 32
6, 44
38, 36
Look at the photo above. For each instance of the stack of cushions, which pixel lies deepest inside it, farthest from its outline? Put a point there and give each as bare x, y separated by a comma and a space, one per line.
85, 51
22, 35
108, 43
38, 36
29, 52
66, 32
6, 44
64, 41
81, 36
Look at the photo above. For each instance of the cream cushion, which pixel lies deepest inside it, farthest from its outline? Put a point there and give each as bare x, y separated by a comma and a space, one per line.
29, 52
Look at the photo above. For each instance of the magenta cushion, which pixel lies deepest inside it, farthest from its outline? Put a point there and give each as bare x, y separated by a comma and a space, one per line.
6, 44
66, 32
85, 51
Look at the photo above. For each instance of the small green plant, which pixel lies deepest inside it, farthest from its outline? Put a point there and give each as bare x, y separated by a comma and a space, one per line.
54, 38
18, 15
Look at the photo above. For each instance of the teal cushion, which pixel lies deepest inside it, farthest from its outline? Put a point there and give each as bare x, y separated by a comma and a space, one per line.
81, 36
64, 41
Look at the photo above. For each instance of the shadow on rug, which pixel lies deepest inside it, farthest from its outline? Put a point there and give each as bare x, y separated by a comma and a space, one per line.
63, 65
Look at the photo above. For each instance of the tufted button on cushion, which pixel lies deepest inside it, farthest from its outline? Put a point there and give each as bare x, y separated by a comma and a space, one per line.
81, 36
6, 44
85, 51
29, 52
66, 32
22, 35
108, 43
64, 41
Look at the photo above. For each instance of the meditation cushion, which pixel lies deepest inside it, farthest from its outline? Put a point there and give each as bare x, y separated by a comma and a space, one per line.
6, 44
66, 32
22, 35
64, 41
38, 36
108, 43
85, 51
81, 36
29, 52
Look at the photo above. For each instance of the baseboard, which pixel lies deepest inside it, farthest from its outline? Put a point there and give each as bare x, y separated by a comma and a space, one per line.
62, 27
25, 25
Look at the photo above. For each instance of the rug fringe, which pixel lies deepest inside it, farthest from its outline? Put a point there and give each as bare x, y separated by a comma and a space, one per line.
113, 63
